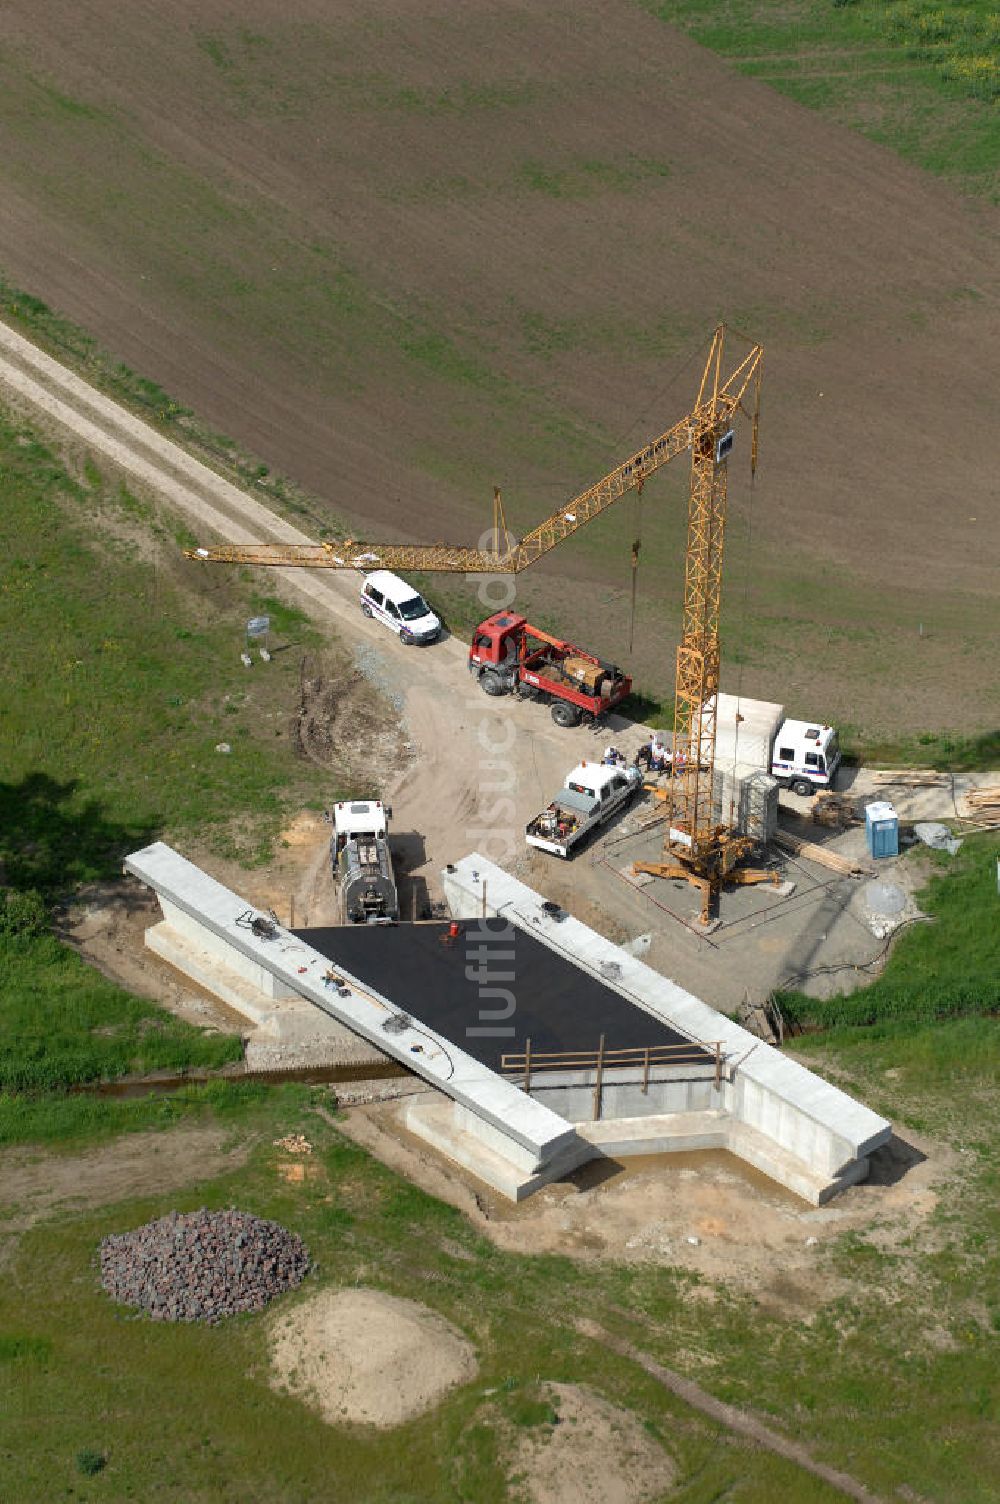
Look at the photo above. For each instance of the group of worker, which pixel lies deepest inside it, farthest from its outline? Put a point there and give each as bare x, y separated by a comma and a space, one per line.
654, 756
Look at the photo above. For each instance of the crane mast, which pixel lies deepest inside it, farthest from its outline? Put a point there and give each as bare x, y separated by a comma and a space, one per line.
695, 848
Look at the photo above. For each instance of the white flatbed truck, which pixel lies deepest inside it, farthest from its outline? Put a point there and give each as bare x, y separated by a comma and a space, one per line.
592, 793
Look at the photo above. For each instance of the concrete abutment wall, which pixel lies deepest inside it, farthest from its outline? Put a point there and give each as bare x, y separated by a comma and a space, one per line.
783, 1118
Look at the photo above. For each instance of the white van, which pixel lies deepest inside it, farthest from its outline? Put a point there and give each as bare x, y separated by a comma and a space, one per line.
391, 600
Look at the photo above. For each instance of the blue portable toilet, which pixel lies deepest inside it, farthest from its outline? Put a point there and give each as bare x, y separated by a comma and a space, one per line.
882, 829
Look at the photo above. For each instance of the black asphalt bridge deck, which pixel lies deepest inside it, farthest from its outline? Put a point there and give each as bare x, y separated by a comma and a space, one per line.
462, 988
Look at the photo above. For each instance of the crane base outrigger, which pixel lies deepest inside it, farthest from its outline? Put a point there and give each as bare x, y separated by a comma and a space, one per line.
717, 863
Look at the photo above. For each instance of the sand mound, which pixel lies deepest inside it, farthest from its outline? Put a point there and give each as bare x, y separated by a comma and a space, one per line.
597, 1454
359, 1355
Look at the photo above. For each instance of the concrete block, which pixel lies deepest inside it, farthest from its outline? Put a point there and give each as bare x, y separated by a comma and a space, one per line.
189, 928
664, 1133
436, 1123
208, 972
289, 1021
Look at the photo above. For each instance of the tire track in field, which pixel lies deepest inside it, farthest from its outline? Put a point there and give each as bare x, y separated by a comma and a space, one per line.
742, 1422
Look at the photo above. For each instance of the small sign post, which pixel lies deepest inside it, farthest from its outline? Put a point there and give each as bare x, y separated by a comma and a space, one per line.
258, 630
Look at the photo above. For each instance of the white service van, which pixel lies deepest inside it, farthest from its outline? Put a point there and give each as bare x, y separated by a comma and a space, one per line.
391, 600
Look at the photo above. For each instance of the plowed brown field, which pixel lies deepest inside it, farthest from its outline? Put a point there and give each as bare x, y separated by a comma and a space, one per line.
404, 250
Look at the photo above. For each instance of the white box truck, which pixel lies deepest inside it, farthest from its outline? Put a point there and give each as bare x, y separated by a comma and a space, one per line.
802, 755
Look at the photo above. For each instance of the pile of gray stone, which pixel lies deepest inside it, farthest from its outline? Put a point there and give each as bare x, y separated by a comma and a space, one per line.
203, 1265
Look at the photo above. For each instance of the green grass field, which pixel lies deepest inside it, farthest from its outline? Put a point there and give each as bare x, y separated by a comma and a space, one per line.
858, 1382
920, 77
62, 1024
68, 1120
948, 968
123, 682
128, 682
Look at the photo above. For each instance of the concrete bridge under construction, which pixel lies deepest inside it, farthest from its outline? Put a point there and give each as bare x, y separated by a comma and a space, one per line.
545, 1044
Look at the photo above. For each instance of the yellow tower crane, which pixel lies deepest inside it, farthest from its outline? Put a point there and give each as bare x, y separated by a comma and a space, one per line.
696, 848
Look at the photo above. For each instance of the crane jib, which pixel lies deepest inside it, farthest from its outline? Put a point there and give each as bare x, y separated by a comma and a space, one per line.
706, 419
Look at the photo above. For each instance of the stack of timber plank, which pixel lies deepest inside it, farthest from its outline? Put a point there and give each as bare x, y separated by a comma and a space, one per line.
911, 778
834, 810
983, 807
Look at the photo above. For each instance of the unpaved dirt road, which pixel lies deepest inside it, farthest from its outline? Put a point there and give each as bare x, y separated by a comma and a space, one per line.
478, 772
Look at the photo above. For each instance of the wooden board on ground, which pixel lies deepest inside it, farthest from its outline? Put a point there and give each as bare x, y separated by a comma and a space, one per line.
810, 852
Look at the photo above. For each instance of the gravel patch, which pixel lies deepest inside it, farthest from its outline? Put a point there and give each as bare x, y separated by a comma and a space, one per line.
203, 1265
369, 662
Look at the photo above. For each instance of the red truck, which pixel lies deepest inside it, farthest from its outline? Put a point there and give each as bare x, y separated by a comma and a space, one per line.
509, 656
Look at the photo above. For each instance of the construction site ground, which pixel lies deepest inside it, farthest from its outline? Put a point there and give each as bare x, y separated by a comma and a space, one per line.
704, 1211
819, 937
823, 937
462, 772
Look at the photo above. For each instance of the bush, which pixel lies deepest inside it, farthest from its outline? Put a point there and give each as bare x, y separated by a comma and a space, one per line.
90, 1462
23, 913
